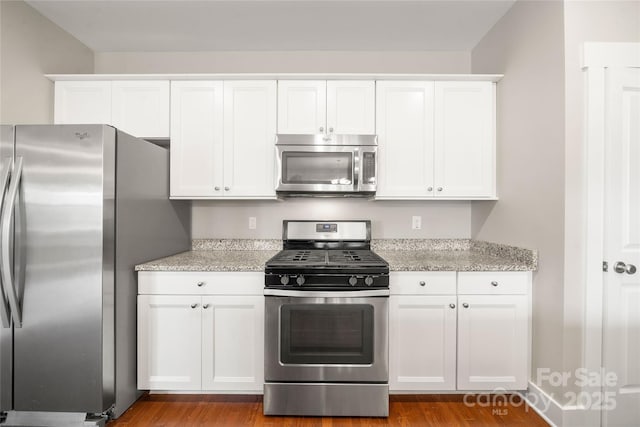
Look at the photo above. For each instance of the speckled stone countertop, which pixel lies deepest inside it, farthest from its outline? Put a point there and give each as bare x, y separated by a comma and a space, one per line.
401, 254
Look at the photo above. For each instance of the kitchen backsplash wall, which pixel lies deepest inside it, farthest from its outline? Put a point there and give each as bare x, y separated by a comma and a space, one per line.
390, 219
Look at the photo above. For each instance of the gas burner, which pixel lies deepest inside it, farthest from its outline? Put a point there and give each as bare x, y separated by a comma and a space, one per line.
314, 258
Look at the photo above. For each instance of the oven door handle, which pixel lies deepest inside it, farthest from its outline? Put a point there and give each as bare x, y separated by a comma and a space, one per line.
327, 294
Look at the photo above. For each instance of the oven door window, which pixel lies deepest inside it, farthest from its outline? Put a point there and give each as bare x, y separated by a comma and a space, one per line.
334, 168
326, 334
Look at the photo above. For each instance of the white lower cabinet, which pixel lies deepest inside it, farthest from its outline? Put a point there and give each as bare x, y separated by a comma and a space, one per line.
205, 339
422, 348
443, 339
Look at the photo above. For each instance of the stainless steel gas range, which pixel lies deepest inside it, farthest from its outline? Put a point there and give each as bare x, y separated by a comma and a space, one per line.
326, 323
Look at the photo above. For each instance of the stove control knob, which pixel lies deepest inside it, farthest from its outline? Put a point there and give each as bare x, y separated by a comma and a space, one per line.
284, 279
300, 280
368, 280
353, 280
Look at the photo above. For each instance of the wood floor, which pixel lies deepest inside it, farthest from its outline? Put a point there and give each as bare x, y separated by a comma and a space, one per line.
404, 410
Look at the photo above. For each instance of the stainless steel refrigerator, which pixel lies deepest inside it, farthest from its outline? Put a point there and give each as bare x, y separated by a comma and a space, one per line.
81, 205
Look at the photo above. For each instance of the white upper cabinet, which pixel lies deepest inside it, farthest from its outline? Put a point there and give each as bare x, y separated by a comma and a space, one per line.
464, 139
351, 107
405, 139
82, 102
302, 106
436, 140
196, 138
141, 107
222, 139
318, 106
249, 138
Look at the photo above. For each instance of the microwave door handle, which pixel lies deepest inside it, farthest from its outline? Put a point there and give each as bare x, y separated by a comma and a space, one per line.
356, 169
4, 304
5, 242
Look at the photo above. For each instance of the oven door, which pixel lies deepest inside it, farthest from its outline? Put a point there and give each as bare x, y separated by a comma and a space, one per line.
339, 336
320, 168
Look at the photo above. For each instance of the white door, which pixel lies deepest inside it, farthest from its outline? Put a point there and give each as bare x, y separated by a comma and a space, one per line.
492, 342
464, 139
249, 138
169, 342
404, 124
351, 107
141, 107
422, 346
621, 334
196, 139
86, 102
302, 106
233, 343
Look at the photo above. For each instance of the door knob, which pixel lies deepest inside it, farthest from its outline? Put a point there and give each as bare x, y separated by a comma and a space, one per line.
621, 267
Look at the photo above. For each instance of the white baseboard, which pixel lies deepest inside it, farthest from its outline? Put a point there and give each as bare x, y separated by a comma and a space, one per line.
556, 414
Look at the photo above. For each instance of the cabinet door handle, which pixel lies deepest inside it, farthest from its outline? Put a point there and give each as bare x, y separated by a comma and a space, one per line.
422, 283
227, 188
194, 305
465, 305
321, 129
216, 188
494, 283
429, 188
439, 188
205, 306
200, 284
330, 130
452, 305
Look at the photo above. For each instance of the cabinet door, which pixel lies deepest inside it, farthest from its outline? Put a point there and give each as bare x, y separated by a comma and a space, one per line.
233, 343
196, 139
249, 138
351, 107
493, 342
86, 102
404, 122
302, 106
169, 346
141, 108
422, 345
464, 139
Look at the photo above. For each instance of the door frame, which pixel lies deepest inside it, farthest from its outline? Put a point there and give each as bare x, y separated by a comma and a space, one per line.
597, 58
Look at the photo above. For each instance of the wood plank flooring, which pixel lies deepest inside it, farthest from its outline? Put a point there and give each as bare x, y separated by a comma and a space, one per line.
404, 410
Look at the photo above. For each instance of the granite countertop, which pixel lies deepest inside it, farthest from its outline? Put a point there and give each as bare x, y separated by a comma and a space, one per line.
401, 254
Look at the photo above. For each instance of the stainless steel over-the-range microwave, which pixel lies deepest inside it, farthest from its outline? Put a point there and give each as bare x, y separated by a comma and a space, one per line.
326, 165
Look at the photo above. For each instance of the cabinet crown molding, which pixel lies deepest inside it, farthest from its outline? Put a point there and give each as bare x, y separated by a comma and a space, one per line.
277, 76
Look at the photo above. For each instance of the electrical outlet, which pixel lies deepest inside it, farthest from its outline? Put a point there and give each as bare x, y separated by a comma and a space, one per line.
416, 222
252, 223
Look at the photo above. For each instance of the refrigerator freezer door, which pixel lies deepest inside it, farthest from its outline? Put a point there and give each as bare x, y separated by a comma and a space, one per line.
6, 333
68, 185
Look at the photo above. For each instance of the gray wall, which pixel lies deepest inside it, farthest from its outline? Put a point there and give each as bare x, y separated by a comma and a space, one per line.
527, 46
390, 219
283, 62
225, 219
31, 46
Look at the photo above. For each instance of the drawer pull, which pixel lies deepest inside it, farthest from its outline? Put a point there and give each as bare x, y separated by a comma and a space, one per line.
194, 305
200, 284
465, 305
494, 283
422, 283
452, 305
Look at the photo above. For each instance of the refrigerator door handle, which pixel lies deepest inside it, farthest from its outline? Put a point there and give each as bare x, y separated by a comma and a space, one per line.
4, 304
5, 244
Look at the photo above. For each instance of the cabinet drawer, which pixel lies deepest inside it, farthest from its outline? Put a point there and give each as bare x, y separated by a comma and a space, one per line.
493, 283
422, 283
200, 283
